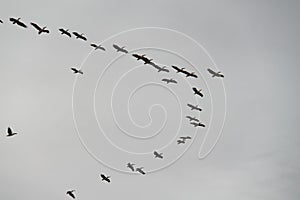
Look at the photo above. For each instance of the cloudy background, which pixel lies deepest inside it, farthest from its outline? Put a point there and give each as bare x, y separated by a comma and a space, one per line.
254, 43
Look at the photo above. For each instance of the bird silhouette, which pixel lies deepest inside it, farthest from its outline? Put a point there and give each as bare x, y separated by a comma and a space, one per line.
190, 74
18, 22
10, 132
160, 69
194, 107
98, 46
184, 138
178, 70
105, 178
130, 166
180, 141
140, 170
197, 92
197, 124
39, 29
71, 193
139, 57
76, 71
121, 49
1, 21
192, 118
80, 36
65, 32
169, 80
215, 74
158, 155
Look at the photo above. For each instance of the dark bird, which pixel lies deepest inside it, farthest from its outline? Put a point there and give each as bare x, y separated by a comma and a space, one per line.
194, 107
1, 21
130, 166
169, 80
160, 69
76, 71
140, 170
192, 118
39, 29
10, 132
215, 74
98, 47
18, 22
121, 49
184, 138
197, 124
178, 70
79, 36
190, 74
180, 142
65, 32
139, 57
71, 193
158, 155
105, 178
197, 92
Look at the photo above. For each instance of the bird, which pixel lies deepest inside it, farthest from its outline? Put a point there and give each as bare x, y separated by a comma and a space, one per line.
130, 166
121, 49
105, 178
65, 32
98, 46
138, 57
80, 36
76, 71
178, 70
194, 107
140, 170
158, 155
180, 142
160, 69
18, 22
185, 138
197, 124
10, 132
197, 92
192, 118
39, 29
1, 21
71, 193
215, 74
169, 80
190, 74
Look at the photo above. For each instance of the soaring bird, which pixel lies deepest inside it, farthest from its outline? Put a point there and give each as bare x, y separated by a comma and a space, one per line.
105, 178
197, 92
194, 107
192, 118
76, 71
79, 36
169, 80
192, 74
98, 46
180, 141
178, 70
197, 124
130, 166
39, 29
121, 49
139, 57
17, 21
140, 170
10, 132
160, 69
158, 155
65, 32
71, 193
215, 74
184, 138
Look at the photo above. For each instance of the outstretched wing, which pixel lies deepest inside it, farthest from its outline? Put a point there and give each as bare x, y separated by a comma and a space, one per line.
211, 71
36, 26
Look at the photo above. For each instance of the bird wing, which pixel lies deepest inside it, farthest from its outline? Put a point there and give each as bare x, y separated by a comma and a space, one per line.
93, 45
211, 71
36, 26
9, 131
74, 69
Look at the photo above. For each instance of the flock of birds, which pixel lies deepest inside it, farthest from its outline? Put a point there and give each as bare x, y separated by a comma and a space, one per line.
147, 61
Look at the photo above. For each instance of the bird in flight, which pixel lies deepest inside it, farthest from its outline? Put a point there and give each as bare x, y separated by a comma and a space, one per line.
80, 36
130, 166
192, 118
98, 47
121, 49
194, 107
184, 138
65, 32
105, 178
158, 155
71, 193
160, 69
169, 80
10, 132
39, 29
76, 71
190, 74
1, 21
140, 170
138, 57
215, 74
197, 124
178, 70
197, 92
17, 21
180, 141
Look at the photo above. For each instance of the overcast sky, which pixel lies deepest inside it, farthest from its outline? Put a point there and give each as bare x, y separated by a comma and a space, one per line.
123, 112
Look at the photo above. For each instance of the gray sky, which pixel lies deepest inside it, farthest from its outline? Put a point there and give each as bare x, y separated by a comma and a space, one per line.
254, 43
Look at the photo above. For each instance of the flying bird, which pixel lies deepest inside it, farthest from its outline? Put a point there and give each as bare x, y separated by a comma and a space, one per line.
197, 124
10, 132
76, 71
18, 22
105, 178
190, 74
194, 107
98, 47
71, 193
65, 32
178, 70
160, 69
80, 36
180, 142
130, 166
158, 155
169, 80
1, 21
215, 74
185, 138
197, 92
192, 118
39, 29
140, 170
139, 57
121, 49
